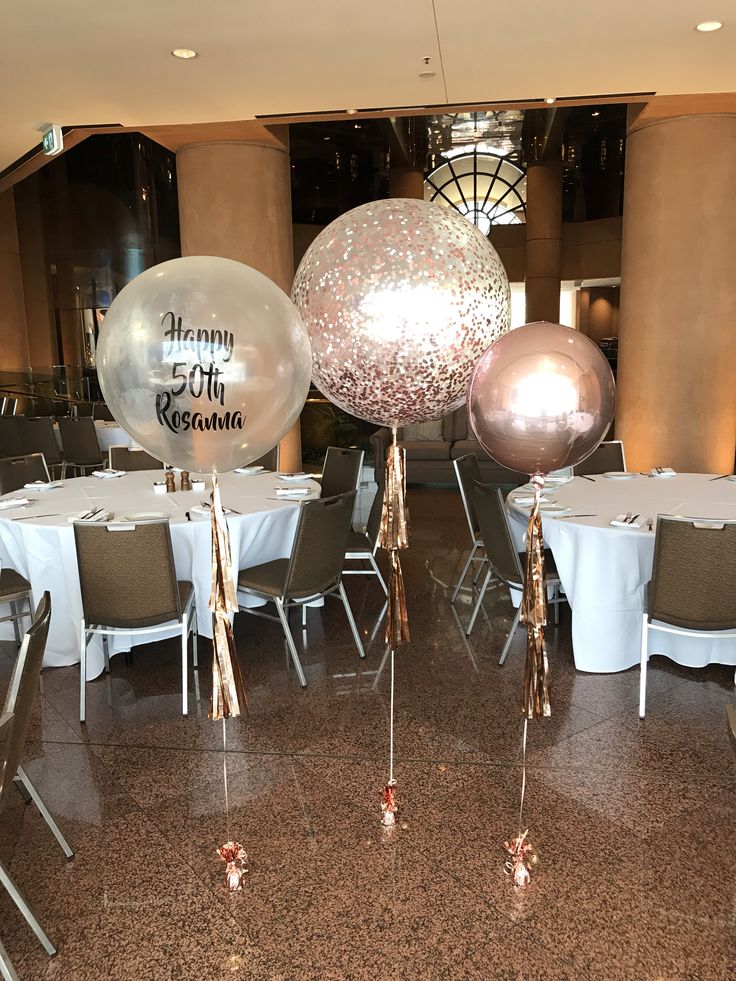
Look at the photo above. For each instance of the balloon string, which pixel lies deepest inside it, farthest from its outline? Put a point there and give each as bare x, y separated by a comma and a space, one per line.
523, 777
391, 724
224, 773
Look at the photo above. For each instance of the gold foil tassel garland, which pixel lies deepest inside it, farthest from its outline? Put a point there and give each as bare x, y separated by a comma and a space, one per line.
228, 690
393, 536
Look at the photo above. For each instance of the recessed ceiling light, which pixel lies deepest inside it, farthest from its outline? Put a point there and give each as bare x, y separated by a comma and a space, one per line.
427, 74
184, 53
596, 113
707, 26
550, 101
351, 112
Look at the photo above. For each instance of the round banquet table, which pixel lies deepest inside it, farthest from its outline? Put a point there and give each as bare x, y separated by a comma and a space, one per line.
604, 569
42, 548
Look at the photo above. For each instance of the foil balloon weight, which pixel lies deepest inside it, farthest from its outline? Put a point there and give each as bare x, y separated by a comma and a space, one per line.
205, 362
400, 298
541, 398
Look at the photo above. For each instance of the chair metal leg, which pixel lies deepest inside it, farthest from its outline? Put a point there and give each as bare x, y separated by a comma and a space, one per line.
45, 814
507, 645
643, 668
476, 577
106, 652
17, 897
464, 573
478, 602
83, 673
184, 665
374, 564
7, 971
195, 638
304, 614
351, 620
63, 469
290, 642
557, 605
16, 622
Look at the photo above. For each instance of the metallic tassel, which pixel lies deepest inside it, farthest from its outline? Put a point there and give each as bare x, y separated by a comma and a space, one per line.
534, 614
393, 536
228, 690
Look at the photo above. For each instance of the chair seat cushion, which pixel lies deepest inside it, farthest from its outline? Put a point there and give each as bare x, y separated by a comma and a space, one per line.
12, 584
185, 591
268, 578
426, 449
358, 541
463, 446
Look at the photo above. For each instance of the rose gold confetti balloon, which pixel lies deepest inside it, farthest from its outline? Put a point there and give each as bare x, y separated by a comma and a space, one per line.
400, 298
541, 398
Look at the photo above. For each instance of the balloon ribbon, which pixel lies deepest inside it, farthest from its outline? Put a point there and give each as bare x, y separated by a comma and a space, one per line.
393, 536
228, 690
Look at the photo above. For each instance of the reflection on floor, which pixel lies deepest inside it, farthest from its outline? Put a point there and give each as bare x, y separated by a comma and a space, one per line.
634, 822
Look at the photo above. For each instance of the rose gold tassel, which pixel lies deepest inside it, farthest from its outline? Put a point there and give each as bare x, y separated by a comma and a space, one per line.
534, 614
393, 536
234, 856
228, 690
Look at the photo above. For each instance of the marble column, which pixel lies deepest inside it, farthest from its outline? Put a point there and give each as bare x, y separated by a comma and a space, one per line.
543, 241
677, 329
235, 202
14, 355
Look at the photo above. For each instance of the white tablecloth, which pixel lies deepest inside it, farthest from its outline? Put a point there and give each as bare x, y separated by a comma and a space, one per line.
108, 434
604, 570
43, 550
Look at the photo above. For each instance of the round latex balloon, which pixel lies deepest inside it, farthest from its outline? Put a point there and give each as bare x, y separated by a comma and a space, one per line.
205, 362
400, 298
541, 398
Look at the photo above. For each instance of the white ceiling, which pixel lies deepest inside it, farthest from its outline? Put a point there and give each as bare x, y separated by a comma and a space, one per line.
92, 62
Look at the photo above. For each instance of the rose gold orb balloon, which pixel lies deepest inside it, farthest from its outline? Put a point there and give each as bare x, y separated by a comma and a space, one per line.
400, 298
541, 398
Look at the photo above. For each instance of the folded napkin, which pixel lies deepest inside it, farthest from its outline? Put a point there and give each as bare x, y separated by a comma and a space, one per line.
205, 510
42, 485
13, 502
98, 517
292, 491
662, 472
620, 522
108, 474
247, 471
526, 499
292, 476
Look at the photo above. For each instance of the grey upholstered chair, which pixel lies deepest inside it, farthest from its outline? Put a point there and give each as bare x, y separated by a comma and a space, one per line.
503, 560
17, 471
609, 457
691, 591
37, 436
132, 458
362, 545
11, 443
313, 570
19, 705
129, 586
269, 461
16, 592
101, 411
341, 472
467, 471
79, 443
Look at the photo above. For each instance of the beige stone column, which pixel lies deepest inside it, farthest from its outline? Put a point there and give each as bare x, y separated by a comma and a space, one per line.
677, 328
406, 182
235, 202
543, 241
14, 354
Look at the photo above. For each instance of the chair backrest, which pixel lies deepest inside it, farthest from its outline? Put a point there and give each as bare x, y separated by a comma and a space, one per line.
374, 516
693, 574
467, 471
126, 573
269, 461
609, 457
79, 440
38, 436
341, 471
132, 458
11, 443
101, 411
19, 470
22, 692
318, 554
494, 530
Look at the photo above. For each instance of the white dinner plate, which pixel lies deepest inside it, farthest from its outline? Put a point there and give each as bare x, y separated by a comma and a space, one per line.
619, 475
554, 509
144, 515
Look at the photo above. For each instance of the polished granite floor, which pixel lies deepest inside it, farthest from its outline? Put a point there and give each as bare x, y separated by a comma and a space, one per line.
634, 822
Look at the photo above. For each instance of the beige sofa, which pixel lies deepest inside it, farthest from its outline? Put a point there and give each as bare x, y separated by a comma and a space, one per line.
429, 458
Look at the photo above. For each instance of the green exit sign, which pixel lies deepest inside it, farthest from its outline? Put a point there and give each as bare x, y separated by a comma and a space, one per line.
53, 140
